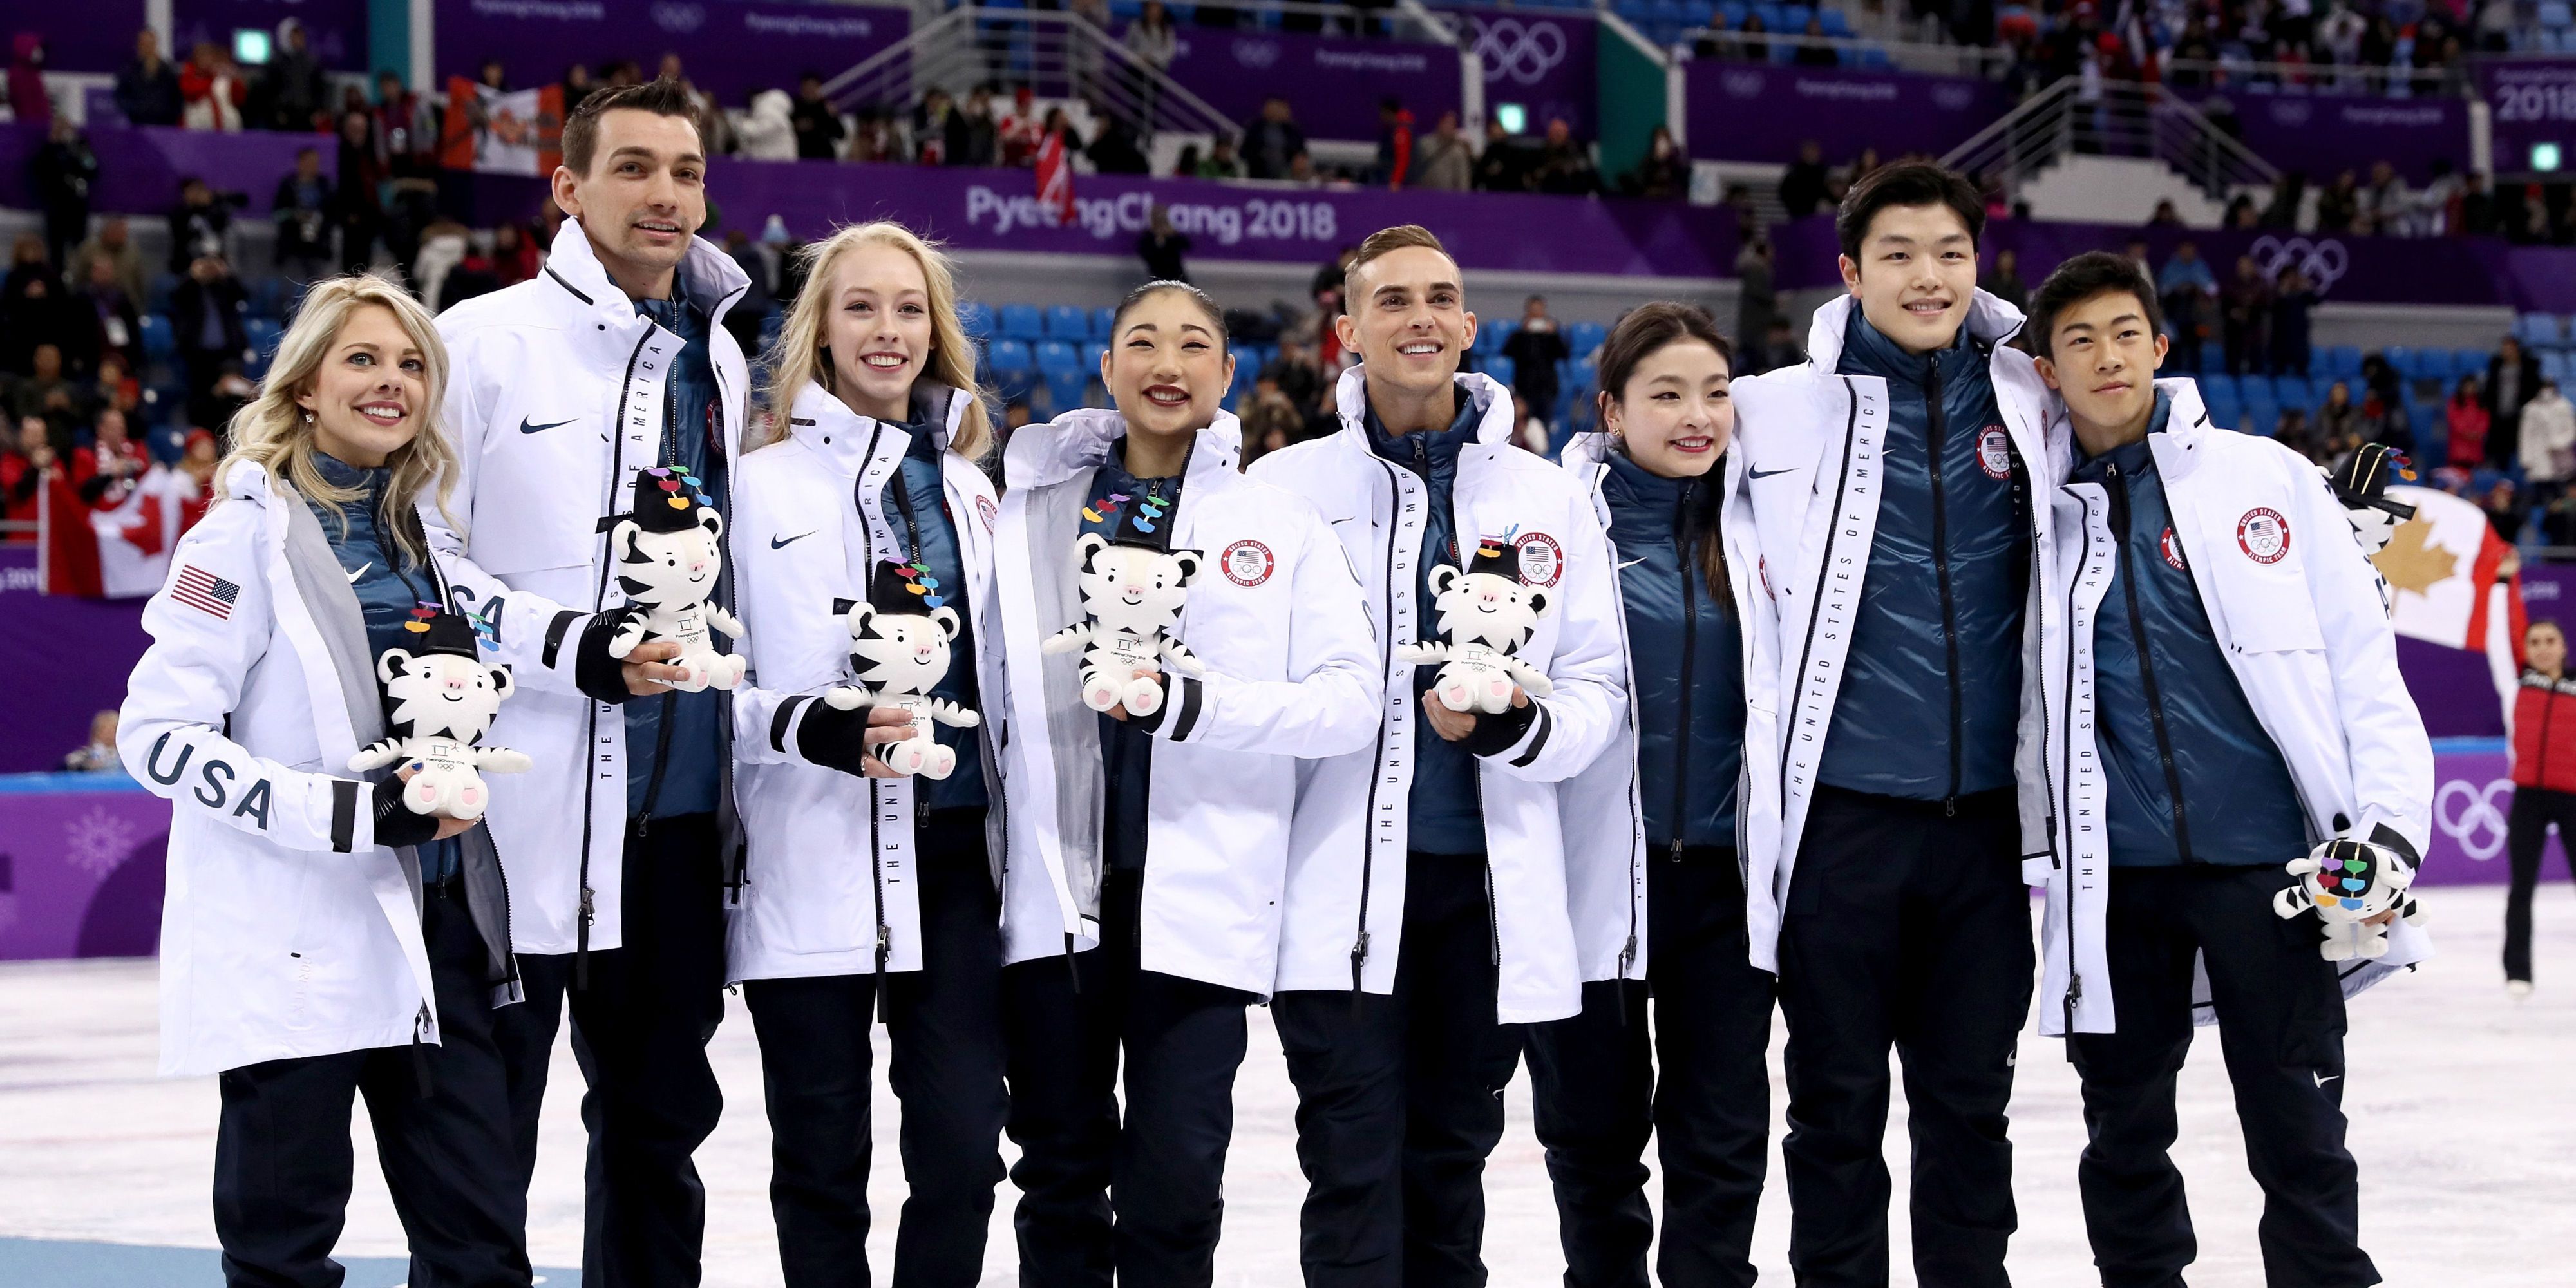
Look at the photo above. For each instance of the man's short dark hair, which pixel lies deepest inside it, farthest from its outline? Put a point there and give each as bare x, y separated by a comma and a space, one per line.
1908, 183
662, 96
2079, 279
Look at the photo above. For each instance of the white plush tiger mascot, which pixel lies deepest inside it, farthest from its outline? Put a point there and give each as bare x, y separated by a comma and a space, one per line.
438, 702
668, 554
1486, 615
899, 638
2349, 882
1133, 589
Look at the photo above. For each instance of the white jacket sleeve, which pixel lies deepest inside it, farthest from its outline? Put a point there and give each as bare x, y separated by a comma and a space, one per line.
1329, 705
170, 731
1589, 670
535, 637
2392, 759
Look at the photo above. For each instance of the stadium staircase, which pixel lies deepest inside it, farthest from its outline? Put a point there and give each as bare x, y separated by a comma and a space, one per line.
2110, 159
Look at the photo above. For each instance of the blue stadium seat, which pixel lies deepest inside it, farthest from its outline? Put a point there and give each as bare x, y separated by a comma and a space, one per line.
2226, 412
263, 334
2470, 362
2216, 385
1795, 16
2553, 364
1835, 23
2292, 391
977, 317
160, 343
1696, 13
1733, 11
1584, 339
1065, 387
2540, 330
2344, 361
1023, 322
1490, 337
1637, 13
1055, 355
1011, 366
1103, 322
157, 294
1091, 351
1245, 372
1772, 17
1066, 322
2555, 15
2401, 357
1499, 367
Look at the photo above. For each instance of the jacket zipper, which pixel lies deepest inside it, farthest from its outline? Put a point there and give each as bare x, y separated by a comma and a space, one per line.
1690, 653
1493, 913
662, 734
2548, 709
590, 730
2066, 748
1385, 663
1937, 438
2146, 663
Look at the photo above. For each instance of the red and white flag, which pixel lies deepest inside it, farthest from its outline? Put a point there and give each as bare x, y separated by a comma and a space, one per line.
135, 537
2442, 568
1055, 177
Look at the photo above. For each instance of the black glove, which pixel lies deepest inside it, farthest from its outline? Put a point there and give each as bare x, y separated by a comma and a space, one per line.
594, 672
1500, 731
396, 824
833, 738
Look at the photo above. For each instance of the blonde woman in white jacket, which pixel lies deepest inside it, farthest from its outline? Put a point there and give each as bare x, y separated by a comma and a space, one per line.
320, 940
1165, 833
870, 895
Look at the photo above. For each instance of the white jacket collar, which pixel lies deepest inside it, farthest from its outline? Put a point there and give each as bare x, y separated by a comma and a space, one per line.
708, 277
840, 437
1492, 398
248, 481
1991, 321
2177, 450
1040, 455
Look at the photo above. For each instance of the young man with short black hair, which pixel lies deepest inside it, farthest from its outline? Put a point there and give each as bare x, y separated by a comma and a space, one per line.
2224, 699
1881, 498
1426, 916
621, 843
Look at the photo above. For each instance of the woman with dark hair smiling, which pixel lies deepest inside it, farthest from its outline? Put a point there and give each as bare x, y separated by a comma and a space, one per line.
1658, 904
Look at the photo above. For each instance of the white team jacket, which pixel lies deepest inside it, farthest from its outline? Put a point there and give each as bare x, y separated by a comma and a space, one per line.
555, 399
832, 864
1276, 617
2306, 636
285, 930
1346, 874
1801, 511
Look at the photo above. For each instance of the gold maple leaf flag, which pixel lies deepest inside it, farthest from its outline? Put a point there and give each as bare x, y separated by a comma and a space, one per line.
2411, 562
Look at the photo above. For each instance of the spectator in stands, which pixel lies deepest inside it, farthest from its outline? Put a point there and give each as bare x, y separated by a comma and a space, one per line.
1020, 128
116, 324
1535, 349
515, 260
98, 756
1162, 248
107, 469
2241, 215
1302, 172
1715, 41
27, 464
2339, 418
61, 173
818, 128
1446, 163
44, 392
298, 94
2165, 215
2510, 380
2282, 212
1780, 346
114, 243
206, 317
202, 225
1151, 39
1394, 143
2295, 432
2465, 416
1664, 174
2294, 298
1115, 149
351, 207
1565, 163
2388, 202
1506, 162
1221, 162
1273, 142
212, 90
876, 139
2245, 311
1751, 47
33, 303
1294, 375
930, 127
1757, 300
2185, 287
1815, 49
301, 210
767, 130
2505, 512
714, 131
2479, 213
975, 137
2339, 205
147, 87
2548, 448
405, 140
577, 84
2003, 281
1802, 185
28, 99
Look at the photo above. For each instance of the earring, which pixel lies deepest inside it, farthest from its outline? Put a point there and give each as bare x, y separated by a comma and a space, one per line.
308, 415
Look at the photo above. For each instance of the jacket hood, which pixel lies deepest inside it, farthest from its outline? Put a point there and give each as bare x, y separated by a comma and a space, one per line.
1492, 398
708, 276
772, 105
839, 436
1040, 455
1991, 321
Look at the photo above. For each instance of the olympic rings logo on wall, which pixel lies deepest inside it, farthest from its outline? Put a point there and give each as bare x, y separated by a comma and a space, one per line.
2469, 815
2322, 262
1517, 51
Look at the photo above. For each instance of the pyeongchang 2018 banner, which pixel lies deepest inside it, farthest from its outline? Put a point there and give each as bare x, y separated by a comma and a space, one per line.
1759, 112
728, 48
2534, 101
1332, 83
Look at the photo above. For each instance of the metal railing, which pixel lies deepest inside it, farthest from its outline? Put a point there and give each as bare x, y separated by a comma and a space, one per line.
1057, 54
2129, 120
2193, 75
1736, 45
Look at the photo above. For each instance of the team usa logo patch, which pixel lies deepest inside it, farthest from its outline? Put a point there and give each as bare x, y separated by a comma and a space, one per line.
1762, 569
1542, 560
1994, 452
2172, 549
1247, 563
2263, 535
987, 511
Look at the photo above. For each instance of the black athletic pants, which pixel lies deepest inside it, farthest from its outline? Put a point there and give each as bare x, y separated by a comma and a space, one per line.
2527, 823
1162, 1170
283, 1160
2280, 1027
640, 1032
1907, 923
1400, 1099
944, 1022
1703, 1091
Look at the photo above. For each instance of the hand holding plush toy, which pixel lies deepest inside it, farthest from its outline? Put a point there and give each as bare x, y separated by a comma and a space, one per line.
439, 702
899, 652
1486, 617
2350, 883
669, 552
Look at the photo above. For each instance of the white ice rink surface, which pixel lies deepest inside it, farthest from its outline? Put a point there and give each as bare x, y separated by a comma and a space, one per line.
2459, 1097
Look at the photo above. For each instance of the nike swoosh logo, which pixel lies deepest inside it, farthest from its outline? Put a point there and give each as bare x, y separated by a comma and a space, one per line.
361, 572
781, 543
1764, 474
528, 427
1634, 562
2324, 1078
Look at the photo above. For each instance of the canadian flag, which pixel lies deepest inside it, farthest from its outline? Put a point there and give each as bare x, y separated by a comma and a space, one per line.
1055, 178
2452, 581
136, 536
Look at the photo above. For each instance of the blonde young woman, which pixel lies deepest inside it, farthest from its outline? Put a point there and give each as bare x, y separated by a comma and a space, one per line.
319, 940
871, 895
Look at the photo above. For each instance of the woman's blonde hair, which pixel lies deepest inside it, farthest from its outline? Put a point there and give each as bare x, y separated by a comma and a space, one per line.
801, 356
277, 434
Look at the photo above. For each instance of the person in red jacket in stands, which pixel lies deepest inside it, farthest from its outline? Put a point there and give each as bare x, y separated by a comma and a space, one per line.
2544, 784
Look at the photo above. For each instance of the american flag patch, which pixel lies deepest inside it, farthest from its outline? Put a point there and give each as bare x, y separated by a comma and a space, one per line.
205, 592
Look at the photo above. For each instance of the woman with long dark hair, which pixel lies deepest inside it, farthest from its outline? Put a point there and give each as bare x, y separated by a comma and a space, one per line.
1658, 907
